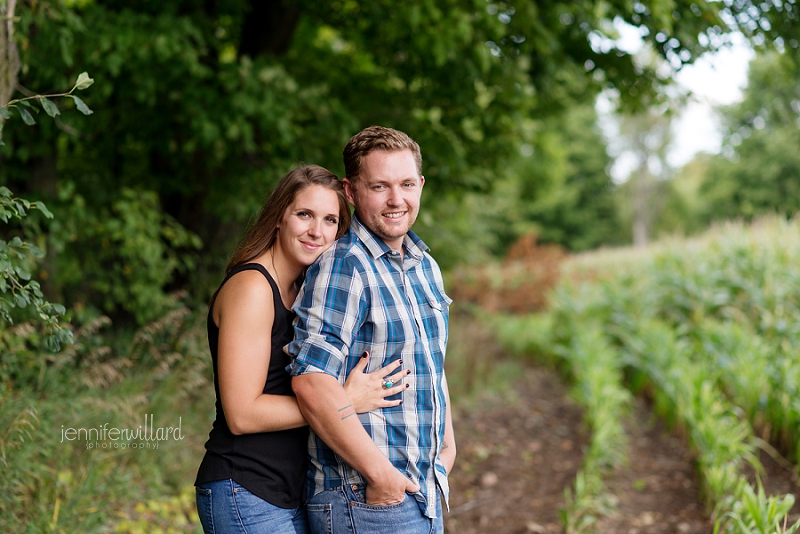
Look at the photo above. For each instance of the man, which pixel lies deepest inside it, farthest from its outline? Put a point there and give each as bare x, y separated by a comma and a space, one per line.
376, 290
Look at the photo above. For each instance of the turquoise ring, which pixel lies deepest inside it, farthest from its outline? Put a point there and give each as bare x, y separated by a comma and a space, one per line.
389, 383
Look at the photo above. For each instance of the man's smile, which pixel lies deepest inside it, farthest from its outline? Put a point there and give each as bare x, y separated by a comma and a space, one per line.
395, 214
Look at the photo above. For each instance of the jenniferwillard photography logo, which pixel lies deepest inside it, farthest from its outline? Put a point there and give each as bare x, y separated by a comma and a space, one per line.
146, 436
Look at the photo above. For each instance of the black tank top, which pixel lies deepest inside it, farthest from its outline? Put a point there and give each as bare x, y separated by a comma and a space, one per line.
271, 465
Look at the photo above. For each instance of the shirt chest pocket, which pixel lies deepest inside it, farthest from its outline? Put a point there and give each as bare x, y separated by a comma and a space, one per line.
435, 313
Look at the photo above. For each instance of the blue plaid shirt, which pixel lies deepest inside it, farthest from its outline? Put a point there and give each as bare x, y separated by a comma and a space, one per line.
361, 295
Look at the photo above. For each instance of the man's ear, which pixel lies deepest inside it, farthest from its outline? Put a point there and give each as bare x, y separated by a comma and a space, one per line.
349, 190
421, 181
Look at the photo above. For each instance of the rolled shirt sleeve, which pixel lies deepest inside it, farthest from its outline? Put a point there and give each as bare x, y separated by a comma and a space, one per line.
329, 309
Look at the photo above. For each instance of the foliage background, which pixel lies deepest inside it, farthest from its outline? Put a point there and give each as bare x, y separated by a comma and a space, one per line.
200, 107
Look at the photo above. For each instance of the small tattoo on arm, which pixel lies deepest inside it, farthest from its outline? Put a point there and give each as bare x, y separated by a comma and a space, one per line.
445, 446
347, 411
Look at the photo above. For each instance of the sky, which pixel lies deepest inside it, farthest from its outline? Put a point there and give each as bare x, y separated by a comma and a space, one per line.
714, 80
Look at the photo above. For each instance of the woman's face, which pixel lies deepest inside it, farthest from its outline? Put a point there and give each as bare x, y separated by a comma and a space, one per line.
309, 224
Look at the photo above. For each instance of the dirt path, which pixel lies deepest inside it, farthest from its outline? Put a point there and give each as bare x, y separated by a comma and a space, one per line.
517, 454
657, 489
515, 457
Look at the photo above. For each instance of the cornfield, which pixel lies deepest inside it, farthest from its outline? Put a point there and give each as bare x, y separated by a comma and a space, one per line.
709, 329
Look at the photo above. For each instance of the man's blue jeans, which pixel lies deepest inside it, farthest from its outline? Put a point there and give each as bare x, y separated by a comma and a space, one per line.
344, 511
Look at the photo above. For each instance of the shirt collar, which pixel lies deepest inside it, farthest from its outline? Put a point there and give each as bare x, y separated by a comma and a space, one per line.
377, 247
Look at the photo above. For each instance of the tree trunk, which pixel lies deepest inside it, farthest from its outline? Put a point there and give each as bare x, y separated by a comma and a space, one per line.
268, 28
642, 201
9, 58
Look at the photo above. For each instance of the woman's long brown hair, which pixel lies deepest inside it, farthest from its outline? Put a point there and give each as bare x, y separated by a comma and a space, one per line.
262, 234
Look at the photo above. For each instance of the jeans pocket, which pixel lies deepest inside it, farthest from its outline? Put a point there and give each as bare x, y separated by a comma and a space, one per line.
379, 507
404, 516
205, 509
320, 517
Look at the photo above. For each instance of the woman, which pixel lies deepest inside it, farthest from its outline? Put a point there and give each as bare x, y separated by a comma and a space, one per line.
253, 474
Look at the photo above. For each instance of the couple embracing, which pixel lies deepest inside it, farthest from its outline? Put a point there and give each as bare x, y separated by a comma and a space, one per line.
339, 325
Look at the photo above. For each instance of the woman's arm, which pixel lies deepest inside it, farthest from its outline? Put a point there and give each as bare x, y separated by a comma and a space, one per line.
244, 312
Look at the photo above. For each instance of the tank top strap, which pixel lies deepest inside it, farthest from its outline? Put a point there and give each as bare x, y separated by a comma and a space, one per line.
276, 293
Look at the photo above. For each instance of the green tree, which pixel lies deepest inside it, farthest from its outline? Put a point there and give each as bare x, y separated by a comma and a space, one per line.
577, 208
206, 104
759, 169
683, 207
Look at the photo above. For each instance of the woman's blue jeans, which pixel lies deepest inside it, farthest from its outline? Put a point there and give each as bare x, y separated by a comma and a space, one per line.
225, 507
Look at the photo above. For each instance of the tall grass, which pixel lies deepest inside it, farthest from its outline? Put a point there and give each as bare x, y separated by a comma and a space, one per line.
52, 483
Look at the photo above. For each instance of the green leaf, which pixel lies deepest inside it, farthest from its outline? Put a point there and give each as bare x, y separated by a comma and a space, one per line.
27, 118
59, 309
49, 108
5, 113
25, 103
83, 81
5, 192
36, 251
20, 301
52, 343
41, 207
22, 273
81, 105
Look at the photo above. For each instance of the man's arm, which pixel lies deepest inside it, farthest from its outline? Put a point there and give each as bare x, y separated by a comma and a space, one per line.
330, 413
448, 452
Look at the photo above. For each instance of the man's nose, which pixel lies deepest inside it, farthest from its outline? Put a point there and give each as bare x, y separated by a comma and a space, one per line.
395, 197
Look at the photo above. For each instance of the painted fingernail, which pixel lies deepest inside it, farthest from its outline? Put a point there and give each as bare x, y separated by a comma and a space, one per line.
408, 371
408, 386
365, 354
401, 362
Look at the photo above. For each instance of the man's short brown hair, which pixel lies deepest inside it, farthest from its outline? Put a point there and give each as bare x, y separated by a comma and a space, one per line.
376, 138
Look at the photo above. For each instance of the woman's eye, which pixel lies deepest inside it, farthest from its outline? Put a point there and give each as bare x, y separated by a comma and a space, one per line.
333, 220
302, 214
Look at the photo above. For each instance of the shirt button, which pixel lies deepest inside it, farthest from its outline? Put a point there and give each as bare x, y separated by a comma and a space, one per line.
354, 487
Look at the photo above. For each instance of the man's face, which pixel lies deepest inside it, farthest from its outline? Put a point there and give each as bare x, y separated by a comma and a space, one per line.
386, 194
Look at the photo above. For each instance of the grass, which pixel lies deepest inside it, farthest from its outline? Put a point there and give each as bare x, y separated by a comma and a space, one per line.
52, 483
